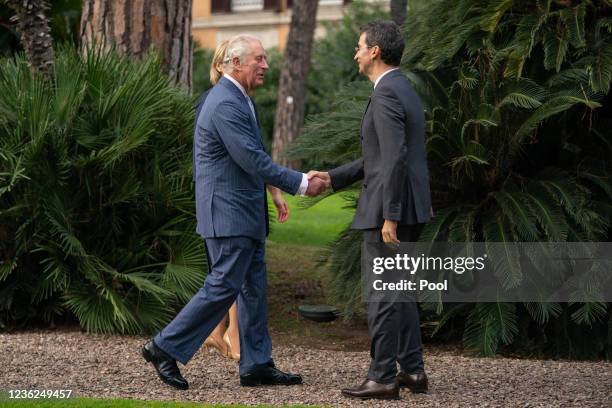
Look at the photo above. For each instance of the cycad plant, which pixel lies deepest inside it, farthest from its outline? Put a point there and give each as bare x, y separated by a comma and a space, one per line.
96, 208
519, 149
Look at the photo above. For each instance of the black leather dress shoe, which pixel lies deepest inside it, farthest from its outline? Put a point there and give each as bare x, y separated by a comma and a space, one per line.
416, 383
165, 365
269, 375
372, 390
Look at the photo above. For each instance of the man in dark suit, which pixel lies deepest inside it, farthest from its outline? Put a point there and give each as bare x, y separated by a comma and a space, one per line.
394, 203
231, 170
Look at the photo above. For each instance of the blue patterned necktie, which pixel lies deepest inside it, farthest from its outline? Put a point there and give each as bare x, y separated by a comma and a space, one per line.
252, 107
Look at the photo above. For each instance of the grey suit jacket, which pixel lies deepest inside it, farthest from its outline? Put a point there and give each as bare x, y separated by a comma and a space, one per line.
232, 167
394, 162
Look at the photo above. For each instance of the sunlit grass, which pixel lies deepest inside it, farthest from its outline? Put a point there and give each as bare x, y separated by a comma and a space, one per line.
318, 225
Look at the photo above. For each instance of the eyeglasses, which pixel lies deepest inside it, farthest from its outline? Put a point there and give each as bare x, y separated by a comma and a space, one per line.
358, 48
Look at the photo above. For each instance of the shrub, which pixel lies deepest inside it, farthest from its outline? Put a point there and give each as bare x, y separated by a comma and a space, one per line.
96, 205
517, 102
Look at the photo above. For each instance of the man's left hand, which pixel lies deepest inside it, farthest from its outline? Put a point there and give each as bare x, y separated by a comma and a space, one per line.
389, 232
282, 209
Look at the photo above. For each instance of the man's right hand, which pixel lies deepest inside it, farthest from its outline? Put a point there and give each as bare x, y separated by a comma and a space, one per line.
323, 175
316, 186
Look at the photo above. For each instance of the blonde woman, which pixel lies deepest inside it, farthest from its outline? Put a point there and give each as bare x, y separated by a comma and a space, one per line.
227, 341
215, 73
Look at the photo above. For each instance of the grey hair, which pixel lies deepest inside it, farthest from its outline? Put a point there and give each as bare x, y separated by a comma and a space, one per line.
238, 46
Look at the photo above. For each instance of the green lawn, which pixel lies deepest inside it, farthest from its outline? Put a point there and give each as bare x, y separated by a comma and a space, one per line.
318, 225
113, 403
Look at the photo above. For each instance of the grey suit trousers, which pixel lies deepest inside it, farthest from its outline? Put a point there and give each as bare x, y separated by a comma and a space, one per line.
395, 332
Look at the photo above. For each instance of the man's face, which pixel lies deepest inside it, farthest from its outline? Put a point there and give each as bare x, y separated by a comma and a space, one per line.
254, 67
363, 55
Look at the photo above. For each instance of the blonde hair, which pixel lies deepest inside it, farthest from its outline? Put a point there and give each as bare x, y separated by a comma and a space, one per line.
216, 66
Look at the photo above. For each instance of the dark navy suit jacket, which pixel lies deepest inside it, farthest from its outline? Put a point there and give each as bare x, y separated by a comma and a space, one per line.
232, 168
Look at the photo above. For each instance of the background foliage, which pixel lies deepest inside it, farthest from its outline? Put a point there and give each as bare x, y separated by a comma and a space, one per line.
517, 99
65, 16
96, 207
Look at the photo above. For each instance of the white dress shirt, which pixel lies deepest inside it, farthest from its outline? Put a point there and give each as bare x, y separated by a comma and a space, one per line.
382, 75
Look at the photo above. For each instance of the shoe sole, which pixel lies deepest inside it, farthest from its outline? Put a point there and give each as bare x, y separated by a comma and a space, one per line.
146, 354
369, 398
257, 383
415, 390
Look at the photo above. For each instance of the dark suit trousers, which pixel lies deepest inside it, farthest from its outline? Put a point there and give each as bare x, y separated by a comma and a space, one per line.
395, 332
237, 271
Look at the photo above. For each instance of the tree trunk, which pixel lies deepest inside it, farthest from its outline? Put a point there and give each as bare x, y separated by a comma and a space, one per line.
398, 11
33, 27
292, 83
134, 26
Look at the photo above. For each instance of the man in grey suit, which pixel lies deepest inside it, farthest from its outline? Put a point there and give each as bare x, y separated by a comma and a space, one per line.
231, 171
394, 203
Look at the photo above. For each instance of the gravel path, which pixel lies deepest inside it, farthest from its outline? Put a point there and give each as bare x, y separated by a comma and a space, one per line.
111, 367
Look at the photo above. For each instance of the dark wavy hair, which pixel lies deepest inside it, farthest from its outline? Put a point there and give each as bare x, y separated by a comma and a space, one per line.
386, 34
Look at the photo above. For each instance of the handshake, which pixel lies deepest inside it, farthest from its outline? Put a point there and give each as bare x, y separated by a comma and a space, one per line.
318, 182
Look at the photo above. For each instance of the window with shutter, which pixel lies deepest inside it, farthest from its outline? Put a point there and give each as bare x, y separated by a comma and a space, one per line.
221, 6
273, 5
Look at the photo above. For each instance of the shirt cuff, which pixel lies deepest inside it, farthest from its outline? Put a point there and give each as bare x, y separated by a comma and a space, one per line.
303, 185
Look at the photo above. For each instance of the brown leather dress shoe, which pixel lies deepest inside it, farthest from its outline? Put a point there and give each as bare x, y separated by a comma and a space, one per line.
372, 389
416, 383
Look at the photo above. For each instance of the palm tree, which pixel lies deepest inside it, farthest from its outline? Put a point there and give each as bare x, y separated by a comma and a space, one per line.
292, 84
131, 28
33, 26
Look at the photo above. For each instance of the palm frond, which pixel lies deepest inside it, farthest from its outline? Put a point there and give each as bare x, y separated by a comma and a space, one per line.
494, 13
434, 229
499, 236
95, 313
6, 267
556, 104
600, 68
523, 93
488, 325
573, 19
556, 45
548, 213
589, 313
525, 39
542, 312
513, 208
